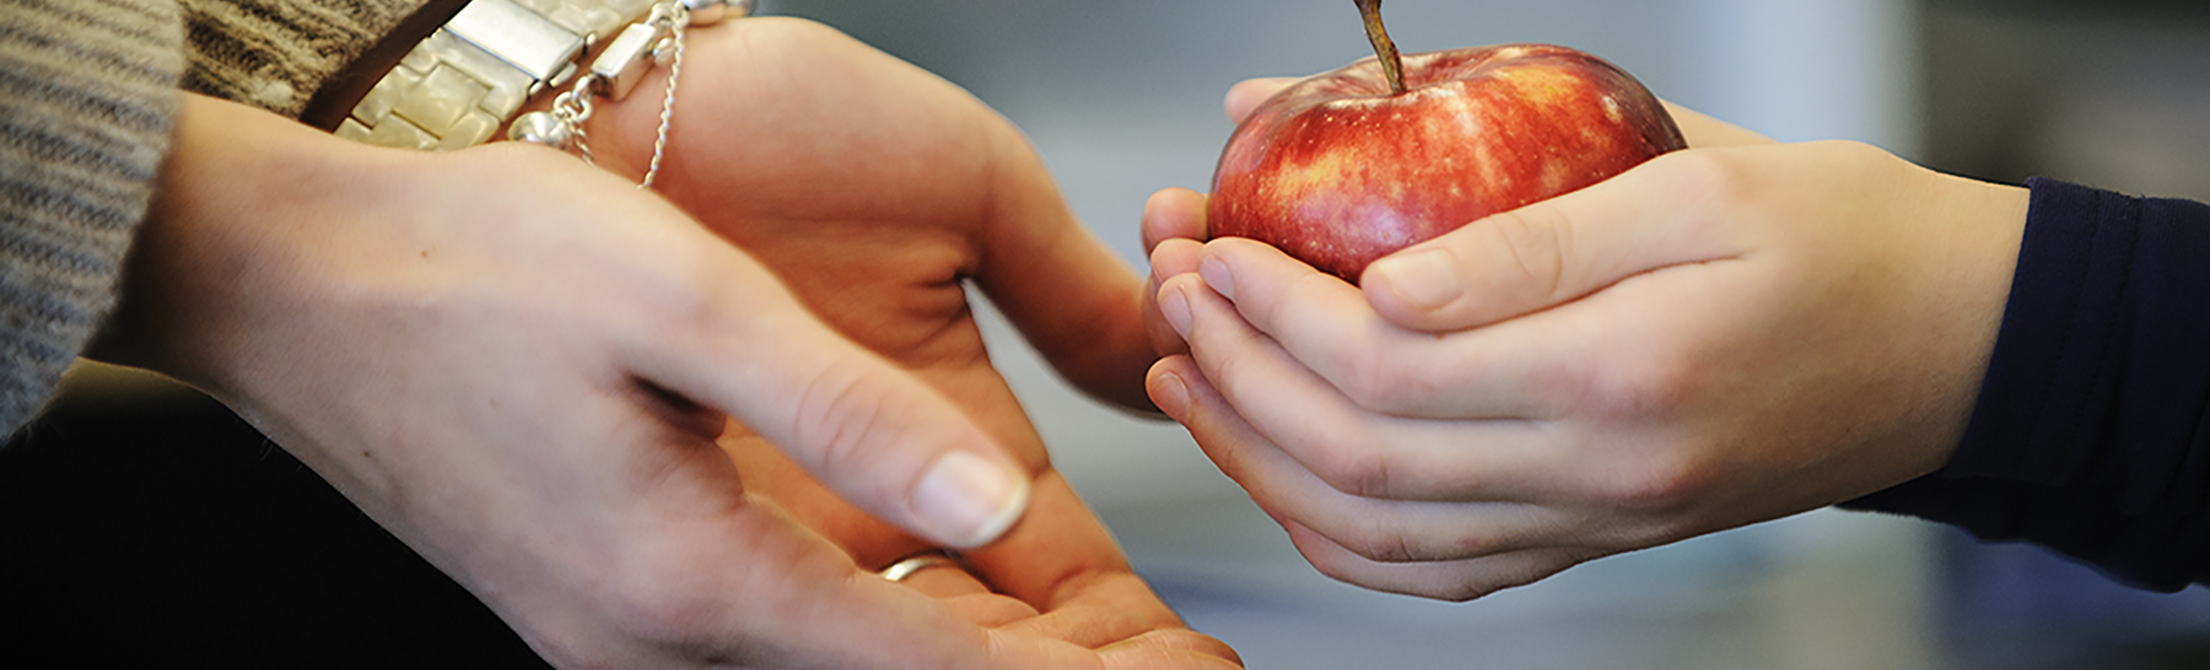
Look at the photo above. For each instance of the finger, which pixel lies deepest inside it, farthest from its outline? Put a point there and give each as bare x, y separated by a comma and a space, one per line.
1174, 257
1171, 258
1174, 213
1240, 452
1704, 131
990, 610
1072, 297
1382, 530
901, 633
1455, 581
819, 609
1247, 94
792, 599
1259, 381
944, 582
1329, 327
1063, 557
866, 429
1349, 449
1088, 626
1551, 252
1169, 648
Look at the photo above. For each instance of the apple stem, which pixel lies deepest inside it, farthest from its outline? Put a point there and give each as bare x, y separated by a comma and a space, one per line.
1392, 63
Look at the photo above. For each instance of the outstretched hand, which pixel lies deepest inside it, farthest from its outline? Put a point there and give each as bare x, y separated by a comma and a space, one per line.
790, 133
1722, 336
877, 192
520, 366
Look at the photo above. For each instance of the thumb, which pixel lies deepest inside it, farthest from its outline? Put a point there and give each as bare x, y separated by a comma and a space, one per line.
1246, 95
864, 427
1554, 251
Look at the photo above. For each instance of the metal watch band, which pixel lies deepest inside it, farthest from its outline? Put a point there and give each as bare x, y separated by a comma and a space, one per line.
476, 72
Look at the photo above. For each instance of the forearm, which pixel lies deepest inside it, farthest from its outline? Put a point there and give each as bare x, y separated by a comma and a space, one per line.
2088, 436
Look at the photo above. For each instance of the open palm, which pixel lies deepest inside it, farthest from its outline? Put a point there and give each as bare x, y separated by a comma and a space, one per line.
877, 192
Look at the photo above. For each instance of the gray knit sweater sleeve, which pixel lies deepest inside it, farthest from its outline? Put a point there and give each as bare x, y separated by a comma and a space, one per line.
275, 54
87, 97
88, 93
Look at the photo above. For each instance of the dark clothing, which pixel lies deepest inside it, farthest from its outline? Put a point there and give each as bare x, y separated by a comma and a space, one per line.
2092, 431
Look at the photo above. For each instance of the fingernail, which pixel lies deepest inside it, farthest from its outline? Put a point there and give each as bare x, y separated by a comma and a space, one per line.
1172, 395
1175, 307
966, 501
1427, 278
1217, 276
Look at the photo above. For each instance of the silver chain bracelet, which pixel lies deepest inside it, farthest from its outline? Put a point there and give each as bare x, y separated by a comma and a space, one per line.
475, 73
657, 39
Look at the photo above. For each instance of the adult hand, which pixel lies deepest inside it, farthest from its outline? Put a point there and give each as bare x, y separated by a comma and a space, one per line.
876, 191
790, 132
1721, 336
510, 360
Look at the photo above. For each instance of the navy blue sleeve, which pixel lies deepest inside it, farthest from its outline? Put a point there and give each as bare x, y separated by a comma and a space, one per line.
2091, 434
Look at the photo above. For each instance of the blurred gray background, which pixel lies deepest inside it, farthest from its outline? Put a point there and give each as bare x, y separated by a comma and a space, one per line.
142, 521
1123, 98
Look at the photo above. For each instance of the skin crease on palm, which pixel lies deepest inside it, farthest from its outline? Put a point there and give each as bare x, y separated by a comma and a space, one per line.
1724, 335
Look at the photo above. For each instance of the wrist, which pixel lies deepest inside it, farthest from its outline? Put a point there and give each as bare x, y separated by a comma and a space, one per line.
458, 72
209, 245
1981, 258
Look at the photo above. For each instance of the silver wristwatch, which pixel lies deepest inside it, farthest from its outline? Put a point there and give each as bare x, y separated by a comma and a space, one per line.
475, 73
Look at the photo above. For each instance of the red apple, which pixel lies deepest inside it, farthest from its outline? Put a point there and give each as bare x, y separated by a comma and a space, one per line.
1348, 166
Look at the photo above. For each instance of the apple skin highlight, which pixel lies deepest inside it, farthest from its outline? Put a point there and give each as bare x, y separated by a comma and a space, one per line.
1338, 171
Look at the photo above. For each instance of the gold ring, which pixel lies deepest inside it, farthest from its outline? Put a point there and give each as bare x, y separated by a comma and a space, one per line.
905, 567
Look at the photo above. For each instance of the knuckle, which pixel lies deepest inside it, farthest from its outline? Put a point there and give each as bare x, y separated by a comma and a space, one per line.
838, 416
1349, 570
1225, 366
1658, 487
1707, 173
1475, 579
669, 287
1649, 385
1534, 243
1352, 467
1388, 376
1532, 567
1711, 185
1555, 390
1291, 304
1367, 376
672, 307
1378, 543
1389, 544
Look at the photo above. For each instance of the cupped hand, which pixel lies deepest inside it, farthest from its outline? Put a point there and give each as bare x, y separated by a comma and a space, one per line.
877, 192
517, 365
1174, 218
790, 133
1725, 335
